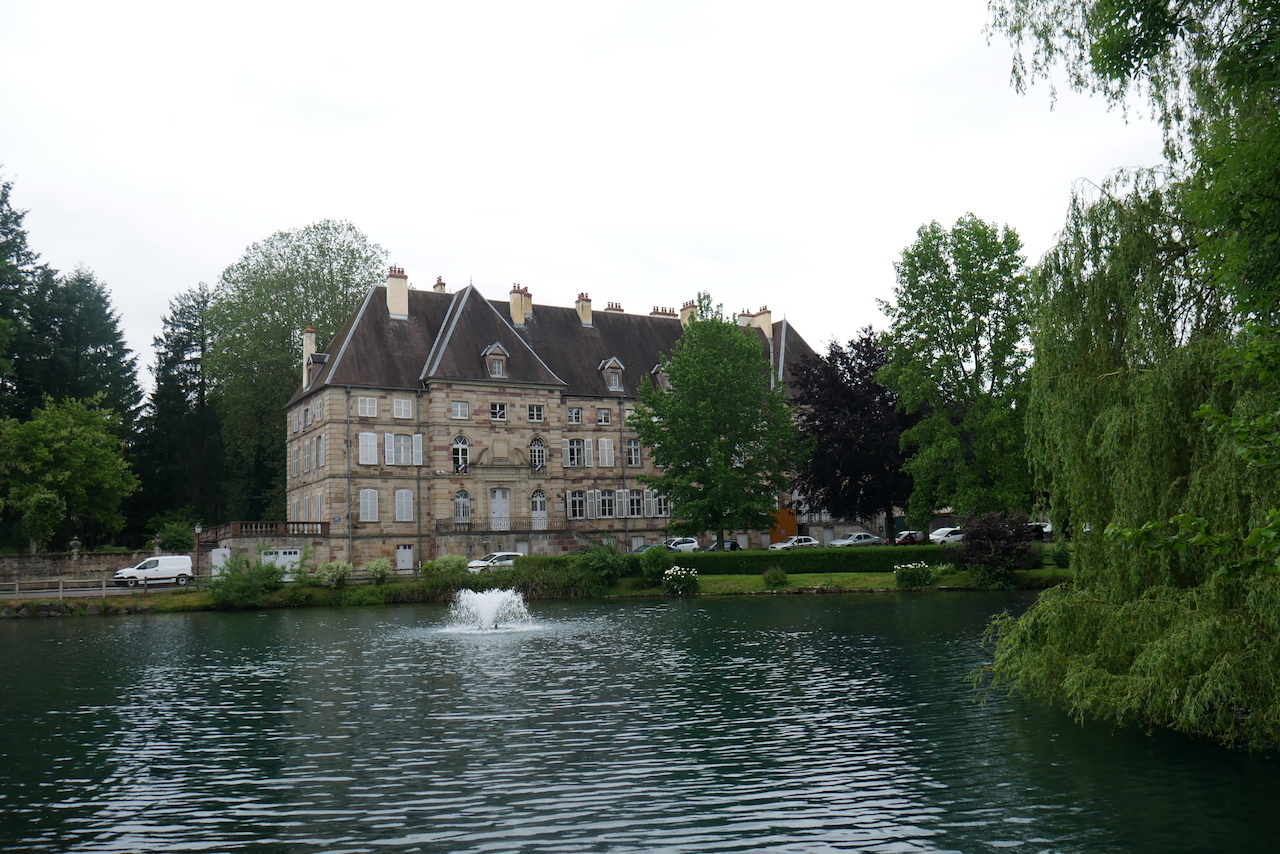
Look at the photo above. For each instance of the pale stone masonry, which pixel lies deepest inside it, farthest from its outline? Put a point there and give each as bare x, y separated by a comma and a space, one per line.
446, 423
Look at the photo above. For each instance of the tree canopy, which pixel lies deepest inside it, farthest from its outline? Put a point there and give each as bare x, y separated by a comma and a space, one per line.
853, 424
956, 357
721, 431
258, 309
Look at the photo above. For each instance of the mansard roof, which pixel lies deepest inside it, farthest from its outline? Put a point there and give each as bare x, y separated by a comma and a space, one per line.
446, 336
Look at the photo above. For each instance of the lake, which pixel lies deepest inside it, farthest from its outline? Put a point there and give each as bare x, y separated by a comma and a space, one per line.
762, 724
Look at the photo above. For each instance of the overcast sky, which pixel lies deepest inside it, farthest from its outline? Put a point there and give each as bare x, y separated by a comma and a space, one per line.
773, 154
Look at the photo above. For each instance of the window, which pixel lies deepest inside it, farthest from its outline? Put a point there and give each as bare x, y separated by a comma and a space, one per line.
662, 507
605, 447
320, 459
461, 454
633, 453
615, 380
404, 505
575, 455
297, 460
460, 409
577, 504
368, 505
604, 416
538, 502
320, 410
628, 414
575, 414
497, 412
535, 412
306, 455
367, 407
402, 407
537, 455
306, 417
368, 449
606, 504
462, 506
635, 503
497, 366
402, 450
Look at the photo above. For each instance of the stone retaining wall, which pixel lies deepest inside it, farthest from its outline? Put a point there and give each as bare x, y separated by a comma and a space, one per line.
67, 565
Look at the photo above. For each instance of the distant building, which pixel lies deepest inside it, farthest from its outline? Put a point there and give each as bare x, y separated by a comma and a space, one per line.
443, 423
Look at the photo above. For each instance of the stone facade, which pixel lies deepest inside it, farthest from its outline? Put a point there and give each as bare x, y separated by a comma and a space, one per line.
444, 423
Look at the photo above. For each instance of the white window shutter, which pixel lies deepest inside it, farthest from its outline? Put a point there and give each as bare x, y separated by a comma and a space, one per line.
624, 495
564, 452
586, 452
650, 503
390, 452
593, 503
606, 453
368, 449
417, 449
320, 461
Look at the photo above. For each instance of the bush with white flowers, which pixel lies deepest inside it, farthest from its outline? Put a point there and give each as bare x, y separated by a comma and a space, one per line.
911, 576
680, 581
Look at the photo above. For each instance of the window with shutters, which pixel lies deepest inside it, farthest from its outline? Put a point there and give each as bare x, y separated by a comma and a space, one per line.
635, 503
577, 504
404, 505
367, 407
402, 450
606, 504
604, 452
577, 453
401, 407
368, 505
368, 449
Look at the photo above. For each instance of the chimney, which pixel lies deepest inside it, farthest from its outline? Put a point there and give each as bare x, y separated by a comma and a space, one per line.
521, 305
613, 306
687, 311
308, 350
583, 305
438, 287
763, 320
397, 293
662, 311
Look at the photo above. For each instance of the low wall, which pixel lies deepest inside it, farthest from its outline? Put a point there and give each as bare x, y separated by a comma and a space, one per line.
67, 565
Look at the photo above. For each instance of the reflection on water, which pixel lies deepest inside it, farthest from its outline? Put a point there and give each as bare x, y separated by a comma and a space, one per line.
796, 724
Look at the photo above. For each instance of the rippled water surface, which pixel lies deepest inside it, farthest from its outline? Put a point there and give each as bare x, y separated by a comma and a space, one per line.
771, 724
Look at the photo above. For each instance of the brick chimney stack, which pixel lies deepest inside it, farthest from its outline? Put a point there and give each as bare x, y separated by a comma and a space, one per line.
308, 350
439, 286
521, 305
687, 311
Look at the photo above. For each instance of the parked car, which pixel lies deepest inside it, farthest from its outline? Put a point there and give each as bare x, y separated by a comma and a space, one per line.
938, 533
647, 546
492, 559
1040, 530
681, 544
858, 538
721, 546
795, 543
910, 538
175, 568
953, 535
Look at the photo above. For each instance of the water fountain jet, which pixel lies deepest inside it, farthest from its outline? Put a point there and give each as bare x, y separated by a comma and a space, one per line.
489, 609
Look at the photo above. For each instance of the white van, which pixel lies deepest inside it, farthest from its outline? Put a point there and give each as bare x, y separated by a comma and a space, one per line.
176, 568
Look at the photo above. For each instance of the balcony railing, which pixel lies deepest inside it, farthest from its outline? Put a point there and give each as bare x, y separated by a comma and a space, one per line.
264, 529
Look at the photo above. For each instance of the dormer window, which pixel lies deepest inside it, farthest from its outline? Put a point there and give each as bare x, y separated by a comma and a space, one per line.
495, 359
612, 370
660, 377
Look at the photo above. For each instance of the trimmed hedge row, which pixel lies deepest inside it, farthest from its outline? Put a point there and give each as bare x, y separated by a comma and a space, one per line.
797, 561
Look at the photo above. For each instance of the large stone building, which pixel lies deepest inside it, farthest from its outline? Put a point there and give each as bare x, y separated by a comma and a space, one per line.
447, 423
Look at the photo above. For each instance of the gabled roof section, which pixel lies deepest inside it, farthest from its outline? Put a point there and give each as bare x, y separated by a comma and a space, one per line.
457, 354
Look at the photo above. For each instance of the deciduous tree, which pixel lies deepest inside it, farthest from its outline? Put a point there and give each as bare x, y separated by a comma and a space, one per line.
855, 429
258, 311
957, 356
721, 433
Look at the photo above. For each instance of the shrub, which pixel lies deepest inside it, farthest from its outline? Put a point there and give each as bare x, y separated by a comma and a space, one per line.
680, 581
1061, 555
775, 577
995, 546
333, 573
364, 595
913, 576
653, 564
450, 563
602, 560
177, 537
378, 570
244, 583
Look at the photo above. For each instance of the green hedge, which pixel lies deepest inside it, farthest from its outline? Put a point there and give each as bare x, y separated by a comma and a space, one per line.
798, 561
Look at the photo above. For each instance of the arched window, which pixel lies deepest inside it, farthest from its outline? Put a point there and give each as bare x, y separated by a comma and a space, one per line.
538, 502
462, 506
538, 455
461, 454
578, 504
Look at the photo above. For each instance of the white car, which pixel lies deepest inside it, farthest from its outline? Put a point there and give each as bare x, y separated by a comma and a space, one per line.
795, 543
858, 538
947, 535
492, 559
175, 568
681, 544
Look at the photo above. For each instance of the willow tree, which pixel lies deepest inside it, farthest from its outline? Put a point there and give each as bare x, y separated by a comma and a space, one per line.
1154, 393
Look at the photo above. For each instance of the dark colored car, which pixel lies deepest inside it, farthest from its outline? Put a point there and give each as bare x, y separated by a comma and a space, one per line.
717, 546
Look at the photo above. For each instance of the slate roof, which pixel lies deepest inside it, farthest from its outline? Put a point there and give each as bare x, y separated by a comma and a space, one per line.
446, 335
